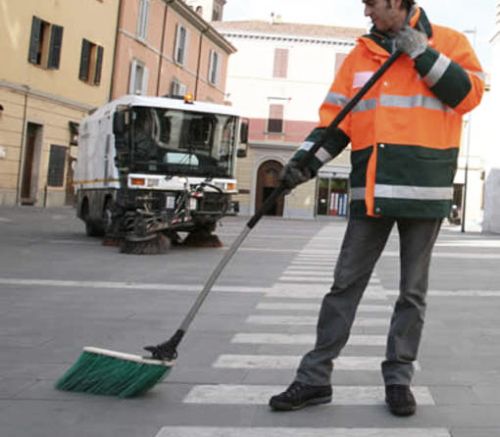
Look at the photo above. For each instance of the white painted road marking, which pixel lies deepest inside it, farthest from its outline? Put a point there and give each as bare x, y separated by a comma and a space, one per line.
315, 291
286, 306
310, 320
192, 431
302, 339
127, 285
259, 394
229, 361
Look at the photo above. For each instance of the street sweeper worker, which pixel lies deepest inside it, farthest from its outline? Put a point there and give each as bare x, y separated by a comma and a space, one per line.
405, 135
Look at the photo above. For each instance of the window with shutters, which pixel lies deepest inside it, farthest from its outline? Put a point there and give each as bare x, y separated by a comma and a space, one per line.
213, 68
280, 68
57, 164
91, 60
177, 89
275, 121
142, 19
138, 83
180, 45
45, 44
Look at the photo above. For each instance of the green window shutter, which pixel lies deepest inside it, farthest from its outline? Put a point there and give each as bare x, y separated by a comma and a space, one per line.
98, 65
55, 47
85, 60
36, 29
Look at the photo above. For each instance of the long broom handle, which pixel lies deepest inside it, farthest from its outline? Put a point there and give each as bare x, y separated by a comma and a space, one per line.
168, 349
278, 191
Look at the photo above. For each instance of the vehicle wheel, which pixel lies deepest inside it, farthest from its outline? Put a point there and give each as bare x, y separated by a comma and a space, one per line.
207, 227
91, 229
202, 236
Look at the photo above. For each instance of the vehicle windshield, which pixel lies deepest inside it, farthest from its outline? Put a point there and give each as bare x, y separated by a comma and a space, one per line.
183, 143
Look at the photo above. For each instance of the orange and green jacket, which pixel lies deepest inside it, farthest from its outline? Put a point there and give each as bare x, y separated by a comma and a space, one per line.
405, 132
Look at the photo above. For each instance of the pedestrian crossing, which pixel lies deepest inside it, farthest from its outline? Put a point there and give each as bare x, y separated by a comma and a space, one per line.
284, 320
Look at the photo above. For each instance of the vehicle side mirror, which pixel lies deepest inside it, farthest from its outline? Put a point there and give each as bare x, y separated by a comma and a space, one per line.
243, 144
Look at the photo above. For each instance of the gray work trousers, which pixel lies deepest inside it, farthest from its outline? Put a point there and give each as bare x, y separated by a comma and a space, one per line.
364, 241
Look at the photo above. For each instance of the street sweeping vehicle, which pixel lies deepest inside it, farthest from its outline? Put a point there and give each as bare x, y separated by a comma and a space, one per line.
151, 167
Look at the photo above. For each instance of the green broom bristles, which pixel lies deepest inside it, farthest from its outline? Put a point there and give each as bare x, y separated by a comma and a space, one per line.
105, 372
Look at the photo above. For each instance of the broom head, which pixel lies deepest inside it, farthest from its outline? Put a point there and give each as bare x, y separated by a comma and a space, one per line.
111, 373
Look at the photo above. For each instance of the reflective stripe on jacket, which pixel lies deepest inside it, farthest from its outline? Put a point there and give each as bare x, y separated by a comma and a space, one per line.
405, 132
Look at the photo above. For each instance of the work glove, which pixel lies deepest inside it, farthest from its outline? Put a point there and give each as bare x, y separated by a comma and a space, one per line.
411, 41
292, 175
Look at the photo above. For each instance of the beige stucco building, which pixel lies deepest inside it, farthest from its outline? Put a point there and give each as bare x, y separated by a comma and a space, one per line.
281, 95
60, 58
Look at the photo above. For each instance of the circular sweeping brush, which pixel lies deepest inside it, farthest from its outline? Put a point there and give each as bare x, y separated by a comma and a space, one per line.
155, 244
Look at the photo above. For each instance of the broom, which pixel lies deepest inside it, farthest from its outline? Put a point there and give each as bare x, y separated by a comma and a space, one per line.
105, 372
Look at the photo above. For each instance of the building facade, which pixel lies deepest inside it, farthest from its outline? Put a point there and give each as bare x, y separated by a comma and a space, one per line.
75, 57
165, 48
278, 78
491, 220
60, 59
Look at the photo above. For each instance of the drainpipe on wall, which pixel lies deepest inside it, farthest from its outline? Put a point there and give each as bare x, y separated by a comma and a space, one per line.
115, 50
160, 61
21, 150
199, 63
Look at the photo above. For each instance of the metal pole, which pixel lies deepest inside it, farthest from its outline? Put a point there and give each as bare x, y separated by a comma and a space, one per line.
466, 173
467, 147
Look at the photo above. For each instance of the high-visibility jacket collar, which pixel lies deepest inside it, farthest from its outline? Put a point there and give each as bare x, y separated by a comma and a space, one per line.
381, 44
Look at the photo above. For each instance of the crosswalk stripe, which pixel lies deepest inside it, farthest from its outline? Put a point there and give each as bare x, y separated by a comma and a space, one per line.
308, 275
316, 259
310, 320
318, 276
192, 431
285, 306
232, 361
311, 270
312, 292
260, 394
324, 278
308, 262
469, 243
455, 293
302, 339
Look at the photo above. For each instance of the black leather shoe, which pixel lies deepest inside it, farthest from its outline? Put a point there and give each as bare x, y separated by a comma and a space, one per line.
400, 400
299, 395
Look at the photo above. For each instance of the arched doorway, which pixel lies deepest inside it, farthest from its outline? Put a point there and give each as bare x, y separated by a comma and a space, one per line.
267, 181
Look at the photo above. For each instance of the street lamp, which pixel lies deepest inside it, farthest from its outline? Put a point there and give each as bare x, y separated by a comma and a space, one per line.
467, 146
